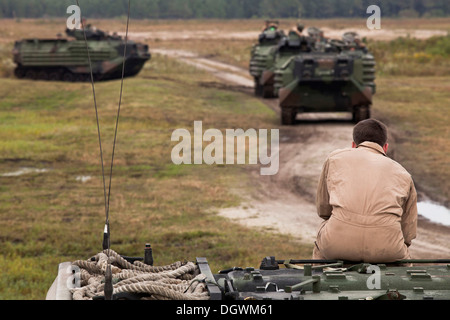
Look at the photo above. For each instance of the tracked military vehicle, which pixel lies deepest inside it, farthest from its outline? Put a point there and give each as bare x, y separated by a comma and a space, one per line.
136, 278
337, 77
67, 59
263, 59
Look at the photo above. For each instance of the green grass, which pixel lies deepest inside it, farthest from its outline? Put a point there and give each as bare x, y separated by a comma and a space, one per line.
50, 217
406, 56
417, 111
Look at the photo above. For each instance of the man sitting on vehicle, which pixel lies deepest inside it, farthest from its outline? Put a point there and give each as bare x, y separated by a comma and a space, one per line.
367, 200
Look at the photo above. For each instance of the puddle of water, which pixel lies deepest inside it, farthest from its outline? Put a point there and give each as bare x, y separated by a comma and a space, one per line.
434, 212
23, 171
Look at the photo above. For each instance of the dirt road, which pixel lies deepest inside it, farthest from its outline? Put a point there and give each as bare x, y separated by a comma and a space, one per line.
285, 202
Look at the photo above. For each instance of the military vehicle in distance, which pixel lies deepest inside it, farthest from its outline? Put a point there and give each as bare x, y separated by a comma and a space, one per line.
335, 76
67, 59
263, 59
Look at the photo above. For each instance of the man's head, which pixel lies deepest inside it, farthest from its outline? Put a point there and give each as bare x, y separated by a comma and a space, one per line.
370, 130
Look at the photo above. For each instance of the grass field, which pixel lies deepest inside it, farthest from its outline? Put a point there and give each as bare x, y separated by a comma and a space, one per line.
51, 216
417, 110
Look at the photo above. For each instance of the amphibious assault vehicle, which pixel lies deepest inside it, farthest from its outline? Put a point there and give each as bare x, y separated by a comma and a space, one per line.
311, 73
67, 59
335, 76
273, 280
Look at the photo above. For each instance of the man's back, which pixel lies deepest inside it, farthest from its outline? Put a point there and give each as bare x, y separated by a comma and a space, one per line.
369, 204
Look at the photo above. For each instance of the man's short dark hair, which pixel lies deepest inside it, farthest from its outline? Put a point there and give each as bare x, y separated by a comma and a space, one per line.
370, 130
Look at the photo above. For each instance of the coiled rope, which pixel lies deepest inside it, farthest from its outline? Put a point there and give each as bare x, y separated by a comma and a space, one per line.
177, 281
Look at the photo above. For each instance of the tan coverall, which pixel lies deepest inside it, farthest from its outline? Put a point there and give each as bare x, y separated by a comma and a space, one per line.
369, 206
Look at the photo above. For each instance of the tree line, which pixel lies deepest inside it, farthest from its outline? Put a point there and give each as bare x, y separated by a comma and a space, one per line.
224, 9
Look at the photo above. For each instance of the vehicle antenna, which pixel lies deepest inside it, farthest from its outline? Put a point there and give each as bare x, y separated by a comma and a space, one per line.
108, 290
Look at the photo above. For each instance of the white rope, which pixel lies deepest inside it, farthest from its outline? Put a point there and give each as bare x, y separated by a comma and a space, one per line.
177, 281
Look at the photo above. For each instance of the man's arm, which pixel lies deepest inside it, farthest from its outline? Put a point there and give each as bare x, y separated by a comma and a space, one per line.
322, 197
409, 216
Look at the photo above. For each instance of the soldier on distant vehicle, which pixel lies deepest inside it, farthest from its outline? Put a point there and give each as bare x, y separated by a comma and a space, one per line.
353, 40
91, 32
270, 25
298, 29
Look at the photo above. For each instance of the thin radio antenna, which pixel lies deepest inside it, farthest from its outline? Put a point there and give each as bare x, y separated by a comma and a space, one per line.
108, 289
115, 133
